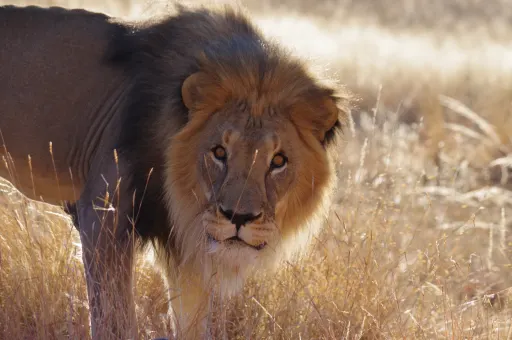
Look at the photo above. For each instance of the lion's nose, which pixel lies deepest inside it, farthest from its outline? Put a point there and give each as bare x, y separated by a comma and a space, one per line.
239, 219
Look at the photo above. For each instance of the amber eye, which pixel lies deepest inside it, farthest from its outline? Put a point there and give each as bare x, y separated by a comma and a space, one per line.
278, 161
220, 153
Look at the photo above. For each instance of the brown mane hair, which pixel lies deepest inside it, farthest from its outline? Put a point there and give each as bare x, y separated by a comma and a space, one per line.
235, 59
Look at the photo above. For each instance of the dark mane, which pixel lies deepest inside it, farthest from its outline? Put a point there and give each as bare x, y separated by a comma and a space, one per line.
160, 56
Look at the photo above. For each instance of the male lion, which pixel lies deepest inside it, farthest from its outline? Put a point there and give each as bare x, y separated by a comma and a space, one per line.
192, 133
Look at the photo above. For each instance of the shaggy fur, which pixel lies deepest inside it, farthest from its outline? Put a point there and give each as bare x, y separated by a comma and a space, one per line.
242, 66
190, 82
235, 67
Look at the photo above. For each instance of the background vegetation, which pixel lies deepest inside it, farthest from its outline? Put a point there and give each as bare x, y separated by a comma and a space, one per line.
418, 242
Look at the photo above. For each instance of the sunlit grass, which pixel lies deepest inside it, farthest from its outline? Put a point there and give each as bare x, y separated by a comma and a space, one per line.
416, 245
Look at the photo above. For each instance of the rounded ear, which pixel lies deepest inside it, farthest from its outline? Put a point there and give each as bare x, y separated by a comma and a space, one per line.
191, 89
318, 112
333, 123
200, 91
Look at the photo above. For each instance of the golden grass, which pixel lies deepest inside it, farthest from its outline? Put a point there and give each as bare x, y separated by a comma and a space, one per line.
417, 244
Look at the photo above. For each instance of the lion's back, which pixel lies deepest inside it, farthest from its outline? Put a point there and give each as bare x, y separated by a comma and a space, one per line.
33, 28
54, 81
47, 52
27, 16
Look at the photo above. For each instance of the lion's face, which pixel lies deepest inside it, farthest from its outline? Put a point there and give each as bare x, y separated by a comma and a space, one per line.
243, 176
246, 166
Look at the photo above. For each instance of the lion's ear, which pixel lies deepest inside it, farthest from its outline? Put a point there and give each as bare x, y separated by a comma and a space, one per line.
332, 122
192, 88
199, 91
318, 112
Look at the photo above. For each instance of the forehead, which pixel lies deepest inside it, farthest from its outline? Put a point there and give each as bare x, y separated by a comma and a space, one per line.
266, 127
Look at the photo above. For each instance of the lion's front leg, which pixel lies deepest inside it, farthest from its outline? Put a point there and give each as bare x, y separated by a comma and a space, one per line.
108, 254
108, 263
190, 306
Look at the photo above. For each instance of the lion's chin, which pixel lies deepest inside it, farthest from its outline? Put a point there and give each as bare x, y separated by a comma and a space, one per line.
233, 256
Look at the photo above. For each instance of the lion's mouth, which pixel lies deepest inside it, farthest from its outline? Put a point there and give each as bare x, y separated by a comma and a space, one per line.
235, 240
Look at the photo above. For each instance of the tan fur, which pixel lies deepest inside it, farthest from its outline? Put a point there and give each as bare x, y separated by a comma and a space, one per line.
242, 109
177, 88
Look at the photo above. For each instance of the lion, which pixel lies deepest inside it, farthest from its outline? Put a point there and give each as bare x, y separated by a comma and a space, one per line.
192, 133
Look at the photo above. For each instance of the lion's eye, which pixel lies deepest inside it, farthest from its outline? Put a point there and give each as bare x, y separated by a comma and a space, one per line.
278, 161
220, 153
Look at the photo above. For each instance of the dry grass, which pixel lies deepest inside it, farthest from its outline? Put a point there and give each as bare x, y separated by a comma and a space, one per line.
417, 244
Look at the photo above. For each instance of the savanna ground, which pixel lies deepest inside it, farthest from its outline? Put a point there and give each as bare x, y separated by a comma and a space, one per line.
418, 242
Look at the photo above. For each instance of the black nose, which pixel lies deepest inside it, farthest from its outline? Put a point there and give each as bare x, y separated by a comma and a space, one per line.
238, 219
